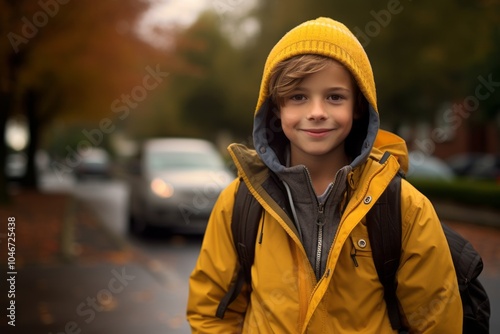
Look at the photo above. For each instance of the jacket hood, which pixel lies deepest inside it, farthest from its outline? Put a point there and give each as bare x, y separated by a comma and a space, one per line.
389, 142
325, 37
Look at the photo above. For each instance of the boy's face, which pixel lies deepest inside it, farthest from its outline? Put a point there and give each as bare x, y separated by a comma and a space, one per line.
317, 115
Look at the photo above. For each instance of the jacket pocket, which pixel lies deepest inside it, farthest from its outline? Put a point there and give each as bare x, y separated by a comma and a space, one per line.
361, 251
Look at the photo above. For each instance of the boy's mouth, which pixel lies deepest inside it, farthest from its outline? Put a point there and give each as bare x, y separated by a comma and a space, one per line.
317, 132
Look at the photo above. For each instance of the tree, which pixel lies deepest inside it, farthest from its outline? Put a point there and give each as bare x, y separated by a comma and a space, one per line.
213, 95
73, 61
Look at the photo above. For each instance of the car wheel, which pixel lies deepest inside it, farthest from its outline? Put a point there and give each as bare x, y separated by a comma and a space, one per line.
137, 225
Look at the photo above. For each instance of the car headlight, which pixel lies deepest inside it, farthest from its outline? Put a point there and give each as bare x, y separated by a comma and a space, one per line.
162, 188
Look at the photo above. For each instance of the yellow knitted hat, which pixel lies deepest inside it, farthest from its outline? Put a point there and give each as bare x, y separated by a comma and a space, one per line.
326, 37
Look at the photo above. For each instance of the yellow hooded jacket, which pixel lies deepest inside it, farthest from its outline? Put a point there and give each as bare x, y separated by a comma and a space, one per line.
286, 296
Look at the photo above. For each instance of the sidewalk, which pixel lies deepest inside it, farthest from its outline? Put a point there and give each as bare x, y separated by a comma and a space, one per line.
72, 274
54, 229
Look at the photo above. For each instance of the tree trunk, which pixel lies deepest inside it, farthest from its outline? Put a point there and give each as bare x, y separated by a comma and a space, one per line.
30, 179
4, 114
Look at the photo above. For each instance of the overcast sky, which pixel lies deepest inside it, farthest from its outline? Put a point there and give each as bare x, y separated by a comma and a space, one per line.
164, 13
185, 12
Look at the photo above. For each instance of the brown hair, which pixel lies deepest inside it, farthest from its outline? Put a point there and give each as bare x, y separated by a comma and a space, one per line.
288, 74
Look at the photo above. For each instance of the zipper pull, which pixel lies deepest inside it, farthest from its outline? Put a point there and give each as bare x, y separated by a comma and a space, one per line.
353, 256
321, 215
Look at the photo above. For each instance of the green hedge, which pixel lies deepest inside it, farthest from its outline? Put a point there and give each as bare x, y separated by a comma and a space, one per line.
461, 191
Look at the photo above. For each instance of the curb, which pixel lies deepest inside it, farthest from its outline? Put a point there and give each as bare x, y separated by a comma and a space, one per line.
118, 241
68, 232
152, 267
70, 220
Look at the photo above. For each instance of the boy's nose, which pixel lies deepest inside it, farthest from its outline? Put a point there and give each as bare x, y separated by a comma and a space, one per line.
317, 111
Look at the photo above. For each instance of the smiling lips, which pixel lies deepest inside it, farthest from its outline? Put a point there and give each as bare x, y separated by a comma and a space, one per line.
317, 133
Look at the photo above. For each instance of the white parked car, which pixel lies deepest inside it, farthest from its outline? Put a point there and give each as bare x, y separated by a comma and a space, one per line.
423, 166
176, 185
94, 163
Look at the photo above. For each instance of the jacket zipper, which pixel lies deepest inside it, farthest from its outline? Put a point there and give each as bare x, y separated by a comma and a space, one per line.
320, 222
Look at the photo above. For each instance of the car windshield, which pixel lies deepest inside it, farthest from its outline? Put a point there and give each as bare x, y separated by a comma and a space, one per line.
159, 161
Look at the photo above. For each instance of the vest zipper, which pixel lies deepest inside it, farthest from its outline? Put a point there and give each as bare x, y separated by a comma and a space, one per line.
320, 222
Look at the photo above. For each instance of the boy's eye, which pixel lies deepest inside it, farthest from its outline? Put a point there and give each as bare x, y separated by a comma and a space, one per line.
336, 97
297, 97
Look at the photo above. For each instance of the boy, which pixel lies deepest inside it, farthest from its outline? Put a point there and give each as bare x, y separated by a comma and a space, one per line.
315, 171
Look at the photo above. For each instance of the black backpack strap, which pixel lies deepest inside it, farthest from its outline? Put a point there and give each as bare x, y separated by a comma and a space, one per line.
231, 294
244, 224
384, 230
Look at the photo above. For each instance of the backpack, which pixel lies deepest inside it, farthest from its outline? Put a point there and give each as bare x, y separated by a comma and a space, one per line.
384, 229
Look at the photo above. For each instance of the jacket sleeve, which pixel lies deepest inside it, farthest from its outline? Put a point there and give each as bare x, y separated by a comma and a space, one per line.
215, 268
427, 284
